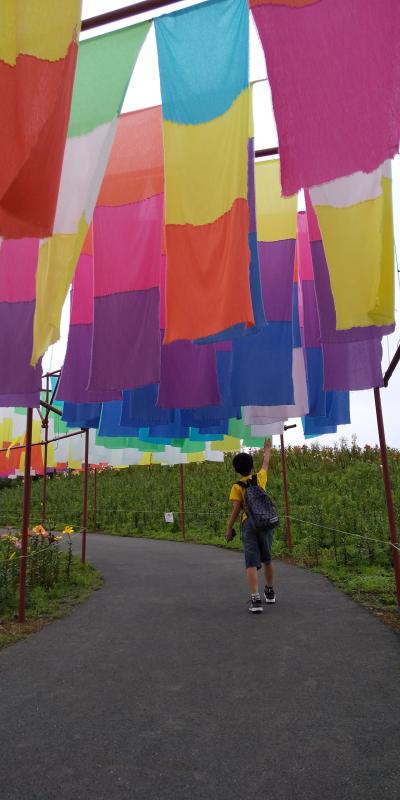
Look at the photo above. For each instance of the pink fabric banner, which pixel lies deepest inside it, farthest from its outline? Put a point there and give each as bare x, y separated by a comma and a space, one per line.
334, 71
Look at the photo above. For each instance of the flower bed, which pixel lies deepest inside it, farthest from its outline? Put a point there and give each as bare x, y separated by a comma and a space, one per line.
48, 565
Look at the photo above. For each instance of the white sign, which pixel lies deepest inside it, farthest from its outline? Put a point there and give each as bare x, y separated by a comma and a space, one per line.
168, 516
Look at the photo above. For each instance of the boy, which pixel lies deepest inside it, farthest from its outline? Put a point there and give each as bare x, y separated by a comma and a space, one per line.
257, 546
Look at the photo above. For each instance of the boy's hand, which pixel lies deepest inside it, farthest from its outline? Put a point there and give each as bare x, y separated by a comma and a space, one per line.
229, 535
267, 445
267, 453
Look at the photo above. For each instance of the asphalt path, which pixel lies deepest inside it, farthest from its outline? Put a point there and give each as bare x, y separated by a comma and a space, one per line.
162, 686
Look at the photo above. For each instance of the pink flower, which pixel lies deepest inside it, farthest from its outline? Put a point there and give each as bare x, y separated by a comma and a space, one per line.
18, 545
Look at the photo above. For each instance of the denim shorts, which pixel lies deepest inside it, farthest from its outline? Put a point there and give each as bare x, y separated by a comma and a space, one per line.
257, 545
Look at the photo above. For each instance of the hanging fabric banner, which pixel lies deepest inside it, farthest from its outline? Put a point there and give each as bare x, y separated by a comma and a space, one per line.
20, 383
38, 50
255, 281
105, 64
262, 362
356, 223
352, 357
327, 408
349, 120
188, 376
128, 228
76, 369
203, 60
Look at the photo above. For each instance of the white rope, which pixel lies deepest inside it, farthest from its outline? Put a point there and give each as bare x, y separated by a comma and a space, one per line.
346, 533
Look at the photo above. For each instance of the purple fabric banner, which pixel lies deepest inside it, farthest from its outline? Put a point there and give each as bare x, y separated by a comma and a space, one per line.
352, 365
251, 189
276, 269
126, 340
188, 376
75, 372
312, 335
18, 380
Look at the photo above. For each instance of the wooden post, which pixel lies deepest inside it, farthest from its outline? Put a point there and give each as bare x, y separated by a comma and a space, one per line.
182, 492
286, 495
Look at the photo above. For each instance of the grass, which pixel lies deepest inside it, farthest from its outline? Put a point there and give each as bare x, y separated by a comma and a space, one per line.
46, 605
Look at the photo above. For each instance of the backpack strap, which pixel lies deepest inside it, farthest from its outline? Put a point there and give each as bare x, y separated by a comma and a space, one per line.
251, 482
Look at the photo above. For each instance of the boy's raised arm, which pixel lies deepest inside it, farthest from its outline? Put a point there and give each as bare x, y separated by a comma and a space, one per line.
267, 454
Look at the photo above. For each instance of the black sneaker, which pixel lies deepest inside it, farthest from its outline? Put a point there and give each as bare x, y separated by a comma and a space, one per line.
269, 594
255, 605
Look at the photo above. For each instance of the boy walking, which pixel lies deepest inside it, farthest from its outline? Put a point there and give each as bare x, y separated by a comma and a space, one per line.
257, 543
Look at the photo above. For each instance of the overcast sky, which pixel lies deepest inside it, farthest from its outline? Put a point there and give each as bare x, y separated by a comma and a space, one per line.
144, 91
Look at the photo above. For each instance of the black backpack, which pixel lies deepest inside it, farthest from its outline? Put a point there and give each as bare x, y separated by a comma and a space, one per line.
259, 506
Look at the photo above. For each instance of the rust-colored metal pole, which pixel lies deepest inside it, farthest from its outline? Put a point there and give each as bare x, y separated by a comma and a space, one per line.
392, 366
94, 499
46, 438
40, 444
286, 495
25, 517
182, 487
85, 496
388, 492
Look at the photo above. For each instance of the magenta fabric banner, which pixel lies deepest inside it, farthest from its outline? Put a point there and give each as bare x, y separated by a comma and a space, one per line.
334, 71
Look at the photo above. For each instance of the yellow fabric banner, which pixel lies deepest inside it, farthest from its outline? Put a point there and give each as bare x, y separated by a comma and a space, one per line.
40, 28
359, 248
205, 171
276, 215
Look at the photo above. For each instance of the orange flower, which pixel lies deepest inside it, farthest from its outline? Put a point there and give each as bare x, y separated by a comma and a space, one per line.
39, 530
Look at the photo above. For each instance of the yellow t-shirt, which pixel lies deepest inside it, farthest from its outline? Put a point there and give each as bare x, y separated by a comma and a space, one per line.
237, 492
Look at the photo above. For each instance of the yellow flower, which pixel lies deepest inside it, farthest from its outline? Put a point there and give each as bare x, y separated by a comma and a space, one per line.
57, 539
68, 530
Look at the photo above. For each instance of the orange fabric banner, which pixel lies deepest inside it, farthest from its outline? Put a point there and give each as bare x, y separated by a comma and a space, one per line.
216, 292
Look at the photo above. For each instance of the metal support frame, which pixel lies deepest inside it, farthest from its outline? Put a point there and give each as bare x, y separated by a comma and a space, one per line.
85, 497
41, 443
145, 7
392, 366
25, 517
118, 14
94, 499
182, 499
45, 425
89, 24
286, 494
388, 492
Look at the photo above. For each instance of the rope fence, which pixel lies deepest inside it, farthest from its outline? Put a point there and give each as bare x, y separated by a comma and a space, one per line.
218, 514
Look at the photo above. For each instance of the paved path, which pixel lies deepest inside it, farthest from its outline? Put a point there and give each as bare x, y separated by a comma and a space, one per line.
163, 687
